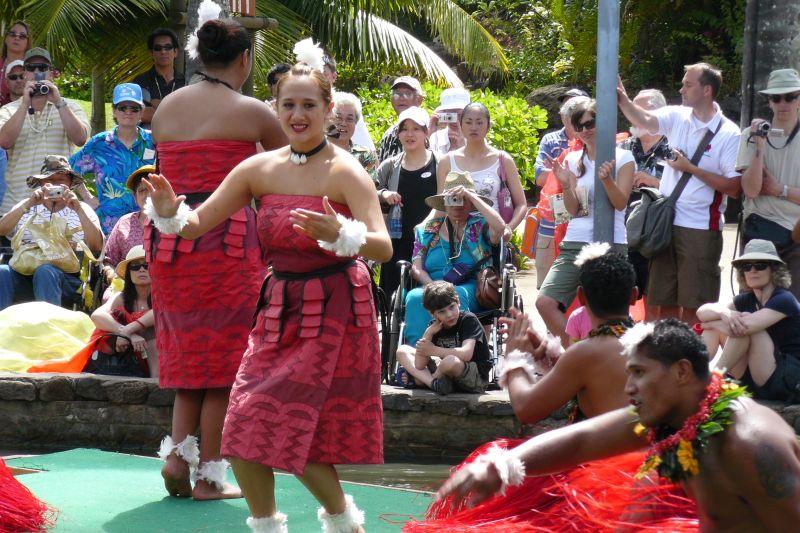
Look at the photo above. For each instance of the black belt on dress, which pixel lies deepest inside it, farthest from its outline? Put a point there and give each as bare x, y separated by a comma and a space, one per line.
318, 273
195, 197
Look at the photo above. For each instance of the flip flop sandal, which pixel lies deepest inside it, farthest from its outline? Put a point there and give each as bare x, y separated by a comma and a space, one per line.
404, 379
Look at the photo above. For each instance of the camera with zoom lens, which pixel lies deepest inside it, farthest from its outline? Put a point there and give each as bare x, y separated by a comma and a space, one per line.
765, 129
665, 152
40, 89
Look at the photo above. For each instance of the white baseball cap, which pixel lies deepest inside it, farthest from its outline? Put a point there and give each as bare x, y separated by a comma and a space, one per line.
453, 98
15, 63
417, 114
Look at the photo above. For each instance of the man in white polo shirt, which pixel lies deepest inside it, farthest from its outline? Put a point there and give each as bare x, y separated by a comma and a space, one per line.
687, 274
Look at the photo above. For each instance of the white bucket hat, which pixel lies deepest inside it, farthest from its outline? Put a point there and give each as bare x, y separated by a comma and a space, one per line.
782, 81
453, 99
759, 250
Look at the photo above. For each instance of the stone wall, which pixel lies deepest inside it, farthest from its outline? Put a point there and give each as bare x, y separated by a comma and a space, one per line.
49, 412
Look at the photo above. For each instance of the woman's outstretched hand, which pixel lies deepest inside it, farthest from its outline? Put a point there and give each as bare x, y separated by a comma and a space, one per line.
165, 202
319, 226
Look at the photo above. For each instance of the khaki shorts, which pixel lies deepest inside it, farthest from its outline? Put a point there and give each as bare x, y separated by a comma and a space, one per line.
561, 283
471, 380
687, 273
545, 252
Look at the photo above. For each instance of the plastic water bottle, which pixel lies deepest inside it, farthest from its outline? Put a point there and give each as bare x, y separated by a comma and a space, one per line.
396, 222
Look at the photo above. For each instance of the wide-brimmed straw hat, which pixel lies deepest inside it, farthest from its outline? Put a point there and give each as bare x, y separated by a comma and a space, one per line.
142, 171
759, 250
134, 254
782, 81
451, 181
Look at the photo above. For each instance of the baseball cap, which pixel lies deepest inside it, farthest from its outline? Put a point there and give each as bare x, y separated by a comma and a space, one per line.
453, 99
127, 92
411, 82
572, 93
15, 63
37, 52
417, 114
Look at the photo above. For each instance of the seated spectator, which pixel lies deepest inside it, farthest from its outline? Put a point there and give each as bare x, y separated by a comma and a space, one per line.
406, 92
16, 42
762, 326
453, 353
110, 157
163, 79
346, 114
449, 247
53, 213
15, 79
129, 229
448, 115
406, 179
273, 76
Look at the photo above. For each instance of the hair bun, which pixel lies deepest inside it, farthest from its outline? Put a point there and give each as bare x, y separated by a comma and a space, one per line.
212, 34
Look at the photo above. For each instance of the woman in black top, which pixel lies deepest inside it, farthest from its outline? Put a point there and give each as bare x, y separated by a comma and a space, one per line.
406, 179
762, 325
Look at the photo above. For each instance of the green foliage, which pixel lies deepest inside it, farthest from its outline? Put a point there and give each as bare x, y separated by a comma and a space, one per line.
75, 86
515, 127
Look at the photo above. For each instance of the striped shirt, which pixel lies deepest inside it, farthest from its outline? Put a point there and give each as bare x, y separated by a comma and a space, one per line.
42, 134
73, 230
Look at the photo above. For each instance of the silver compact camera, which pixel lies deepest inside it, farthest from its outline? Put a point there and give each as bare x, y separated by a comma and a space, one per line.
55, 193
451, 200
448, 118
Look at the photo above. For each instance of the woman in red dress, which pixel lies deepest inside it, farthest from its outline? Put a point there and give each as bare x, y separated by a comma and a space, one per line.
205, 291
307, 395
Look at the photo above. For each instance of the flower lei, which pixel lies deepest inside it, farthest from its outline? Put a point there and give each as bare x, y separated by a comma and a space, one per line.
675, 457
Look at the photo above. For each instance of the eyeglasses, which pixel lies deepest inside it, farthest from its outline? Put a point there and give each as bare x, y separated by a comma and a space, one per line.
346, 120
776, 98
404, 95
138, 266
745, 267
126, 108
164, 47
588, 125
15, 77
15, 35
33, 67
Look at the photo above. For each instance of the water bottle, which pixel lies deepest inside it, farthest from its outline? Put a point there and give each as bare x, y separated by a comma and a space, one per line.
396, 222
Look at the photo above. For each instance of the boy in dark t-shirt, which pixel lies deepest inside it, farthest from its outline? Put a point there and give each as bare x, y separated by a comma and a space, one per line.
455, 338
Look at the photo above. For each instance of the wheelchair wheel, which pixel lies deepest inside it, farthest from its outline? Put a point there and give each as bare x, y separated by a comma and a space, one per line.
393, 338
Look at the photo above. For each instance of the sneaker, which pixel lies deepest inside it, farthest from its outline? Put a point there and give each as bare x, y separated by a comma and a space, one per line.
442, 386
404, 379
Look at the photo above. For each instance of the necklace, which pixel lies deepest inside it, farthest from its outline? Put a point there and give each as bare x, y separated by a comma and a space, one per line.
34, 127
212, 79
301, 158
615, 327
675, 456
158, 85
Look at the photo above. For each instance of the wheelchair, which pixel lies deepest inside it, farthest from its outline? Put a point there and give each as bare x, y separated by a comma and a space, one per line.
393, 326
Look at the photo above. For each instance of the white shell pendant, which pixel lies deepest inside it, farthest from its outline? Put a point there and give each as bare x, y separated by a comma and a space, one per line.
298, 159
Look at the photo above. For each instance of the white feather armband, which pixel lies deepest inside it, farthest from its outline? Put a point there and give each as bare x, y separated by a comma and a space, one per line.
169, 225
517, 360
352, 236
510, 469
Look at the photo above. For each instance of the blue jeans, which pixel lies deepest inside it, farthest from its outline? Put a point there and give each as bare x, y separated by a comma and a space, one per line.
47, 284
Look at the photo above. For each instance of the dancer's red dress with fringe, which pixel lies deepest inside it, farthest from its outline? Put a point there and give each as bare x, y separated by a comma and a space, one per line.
204, 291
308, 389
20, 510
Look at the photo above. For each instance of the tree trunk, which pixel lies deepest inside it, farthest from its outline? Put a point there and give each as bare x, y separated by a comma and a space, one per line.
98, 122
192, 65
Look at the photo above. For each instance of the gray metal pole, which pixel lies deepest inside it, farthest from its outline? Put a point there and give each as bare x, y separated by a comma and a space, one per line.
607, 68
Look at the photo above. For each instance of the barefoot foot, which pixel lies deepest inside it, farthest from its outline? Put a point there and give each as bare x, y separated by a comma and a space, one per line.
176, 477
205, 491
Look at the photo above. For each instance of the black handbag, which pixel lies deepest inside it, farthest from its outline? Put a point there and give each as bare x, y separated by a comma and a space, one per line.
758, 227
106, 360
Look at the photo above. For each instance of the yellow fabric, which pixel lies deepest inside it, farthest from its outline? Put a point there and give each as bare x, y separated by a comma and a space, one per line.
37, 331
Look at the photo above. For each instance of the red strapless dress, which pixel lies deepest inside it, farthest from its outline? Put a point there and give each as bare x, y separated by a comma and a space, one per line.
204, 291
308, 388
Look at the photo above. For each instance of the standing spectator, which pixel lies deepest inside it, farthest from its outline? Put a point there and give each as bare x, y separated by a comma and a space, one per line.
15, 79
346, 115
687, 274
110, 157
56, 126
406, 92
17, 41
274, 75
451, 104
52, 200
648, 153
360, 133
161, 80
770, 169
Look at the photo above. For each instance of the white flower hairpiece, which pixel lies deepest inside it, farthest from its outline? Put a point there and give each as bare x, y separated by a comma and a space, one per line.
306, 51
634, 337
208, 10
593, 250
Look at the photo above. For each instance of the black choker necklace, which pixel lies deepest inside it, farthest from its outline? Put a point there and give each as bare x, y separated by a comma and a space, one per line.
212, 79
301, 158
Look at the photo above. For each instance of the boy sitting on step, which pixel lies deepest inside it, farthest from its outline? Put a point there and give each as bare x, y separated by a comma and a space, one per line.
453, 353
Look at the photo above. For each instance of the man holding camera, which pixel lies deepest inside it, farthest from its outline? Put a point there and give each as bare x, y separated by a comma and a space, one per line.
39, 123
769, 160
52, 199
687, 274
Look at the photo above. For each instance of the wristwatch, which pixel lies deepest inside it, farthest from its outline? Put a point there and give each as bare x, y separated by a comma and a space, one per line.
784, 192
61, 104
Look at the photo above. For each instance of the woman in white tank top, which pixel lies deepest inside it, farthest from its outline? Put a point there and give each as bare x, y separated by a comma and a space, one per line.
483, 162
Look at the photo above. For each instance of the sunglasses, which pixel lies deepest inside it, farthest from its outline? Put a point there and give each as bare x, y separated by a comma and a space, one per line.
137, 267
126, 108
33, 67
15, 77
776, 98
588, 125
15, 35
745, 267
163, 47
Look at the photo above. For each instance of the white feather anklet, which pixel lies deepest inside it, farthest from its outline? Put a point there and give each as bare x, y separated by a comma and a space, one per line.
345, 522
212, 472
169, 225
186, 449
510, 469
518, 360
268, 524
352, 236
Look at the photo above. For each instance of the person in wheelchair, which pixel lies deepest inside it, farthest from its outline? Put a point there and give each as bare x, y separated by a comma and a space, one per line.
452, 248
45, 230
456, 338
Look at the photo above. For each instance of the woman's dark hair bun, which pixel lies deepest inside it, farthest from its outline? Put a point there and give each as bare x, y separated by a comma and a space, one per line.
211, 34
220, 41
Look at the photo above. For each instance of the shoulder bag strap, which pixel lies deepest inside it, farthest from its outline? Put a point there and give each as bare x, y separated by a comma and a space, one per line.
501, 169
698, 153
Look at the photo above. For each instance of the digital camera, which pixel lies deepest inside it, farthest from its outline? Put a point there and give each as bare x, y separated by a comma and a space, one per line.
55, 192
453, 201
765, 129
40, 88
665, 152
448, 118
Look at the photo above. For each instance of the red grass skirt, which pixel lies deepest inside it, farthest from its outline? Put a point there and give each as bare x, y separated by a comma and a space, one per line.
20, 510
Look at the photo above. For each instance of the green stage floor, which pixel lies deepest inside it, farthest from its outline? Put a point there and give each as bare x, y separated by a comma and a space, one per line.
102, 491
